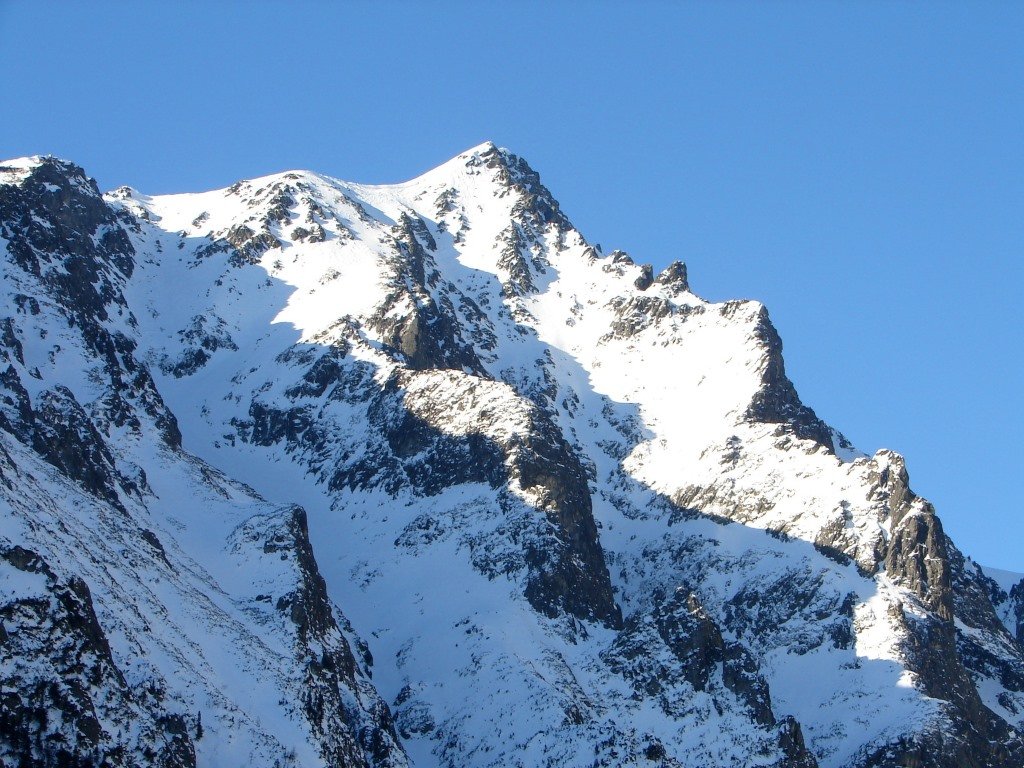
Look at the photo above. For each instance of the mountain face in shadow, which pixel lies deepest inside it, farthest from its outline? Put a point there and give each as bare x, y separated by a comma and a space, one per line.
305, 472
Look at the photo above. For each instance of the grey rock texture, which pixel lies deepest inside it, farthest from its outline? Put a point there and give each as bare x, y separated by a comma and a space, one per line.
54, 657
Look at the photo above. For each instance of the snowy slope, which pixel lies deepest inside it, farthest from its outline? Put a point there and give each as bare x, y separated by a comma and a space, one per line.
577, 513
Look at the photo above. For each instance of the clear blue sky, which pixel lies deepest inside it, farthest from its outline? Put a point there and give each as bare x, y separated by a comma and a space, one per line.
858, 167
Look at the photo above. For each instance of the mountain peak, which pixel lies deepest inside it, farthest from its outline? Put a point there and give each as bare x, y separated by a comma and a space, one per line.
467, 162
479, 149
44, 168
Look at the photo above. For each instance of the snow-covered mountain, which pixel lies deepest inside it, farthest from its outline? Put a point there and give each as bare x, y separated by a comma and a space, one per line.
306, 472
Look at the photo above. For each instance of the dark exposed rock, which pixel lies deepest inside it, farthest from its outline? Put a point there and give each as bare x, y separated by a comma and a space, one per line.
271, 425
434, 461
412, 716
568, 572
890, 485
10, 345
61, 694
916, 554
646, 279
446, 202
760, 611
426, 339
534, 211
692, 636
16, 415
565, 564
777, 402
199, 341
701, 657
154, 541
917, 558
791, 742
422, 327
741, 676
249, 245
718, 503
975, 595
976, 736
944, 747
566, 568
54, 215
65, 437
326, 372
60, 431
674, 277
280, 204
621, 258
514, 172
413, 228
974, 599
637, 313
26, 304
314, 234
1017, 598
515, 259
837, 540
619, 263
63, 234
190, 361
347, 734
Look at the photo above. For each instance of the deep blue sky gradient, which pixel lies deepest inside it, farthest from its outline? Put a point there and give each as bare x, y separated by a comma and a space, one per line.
858, 167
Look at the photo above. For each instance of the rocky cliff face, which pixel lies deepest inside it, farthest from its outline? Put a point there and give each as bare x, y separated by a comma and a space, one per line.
574, 514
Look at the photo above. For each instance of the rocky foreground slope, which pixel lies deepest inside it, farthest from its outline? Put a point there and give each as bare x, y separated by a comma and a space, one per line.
305, 472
